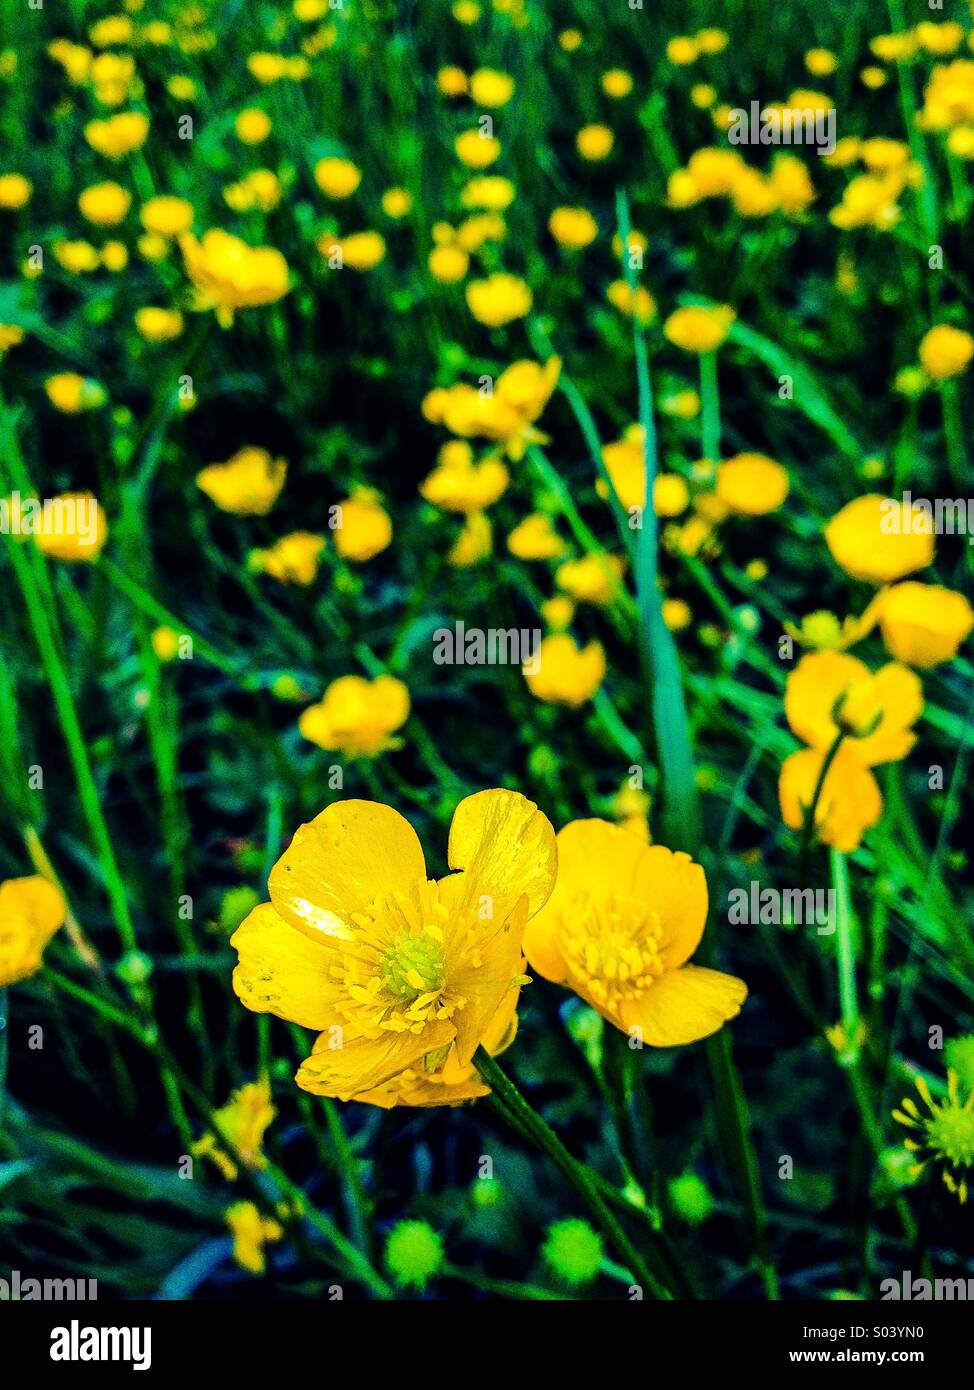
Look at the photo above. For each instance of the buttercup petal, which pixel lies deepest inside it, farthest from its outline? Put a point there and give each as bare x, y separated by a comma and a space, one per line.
281, 971
506, 848
685, 1005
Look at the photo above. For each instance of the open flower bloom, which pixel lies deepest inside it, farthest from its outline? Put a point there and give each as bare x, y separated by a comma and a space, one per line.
849, 801
357, 716
397, 972
828, 690
880, 539
364, 527
507, 415
458, 484
924, 624
31, 911
248, 484
240, 1125
623, 921
230, 275
699, 328
752, 484
251, 1231
291, 560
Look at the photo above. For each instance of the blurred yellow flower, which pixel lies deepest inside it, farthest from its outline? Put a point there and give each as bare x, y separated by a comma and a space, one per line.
594, 142
251, 1232
946, 352
230, 275
338, 178
830, 690
448, 263
165, 643
167, 216
119, 135
752, 484
880, 539
248, 484
31, 911
252, 125
474, 543
158, 325
490, 191
536, 539
115, 256
357, 716
397, 202
491, 88
452, 82
458, 484
682, 50
15, 191
398, 972
622, 923
821, 62
506, 414
476, 150
616, 83
573, 227
11, 335
699, 328
293, 559
240, 1124
359, 251
364, 528
592, 579
564, 673
71, 393
923, 624
498, 300
849, 800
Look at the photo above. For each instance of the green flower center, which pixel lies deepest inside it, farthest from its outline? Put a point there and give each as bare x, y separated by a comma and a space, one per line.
951, 1133
414, 966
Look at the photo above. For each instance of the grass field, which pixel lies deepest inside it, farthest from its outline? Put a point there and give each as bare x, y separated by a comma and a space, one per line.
326, 328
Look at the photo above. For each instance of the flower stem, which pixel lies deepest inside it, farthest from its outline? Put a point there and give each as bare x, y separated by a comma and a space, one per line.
532, 1124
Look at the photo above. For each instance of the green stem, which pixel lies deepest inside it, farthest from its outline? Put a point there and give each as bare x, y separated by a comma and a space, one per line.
709, 407
532, 1124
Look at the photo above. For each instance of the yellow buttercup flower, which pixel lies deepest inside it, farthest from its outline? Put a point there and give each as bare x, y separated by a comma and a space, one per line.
923, 624
397, 972
699, 328
880, 539
119, 135
114, 256
357, 716
11, 335
474, 543
476, 150
491, 88
752, 484
536, 539
104, 204
448, 264
359, 250
158, 325
490, 191
251, 1232
365, 529
451, 81
946, 352
15, 191
397, 202
565, 674
338, 178
574, 228
248, 484
593, 579
616, 83
167, 216
71, 393
508, 414
241, 1125
594, 142
458, 484
498, 300
625, 463
849, 800
639, 303
31, 911
294, 559
622, 923
230, 275
252, 125
165, 643
829, 690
